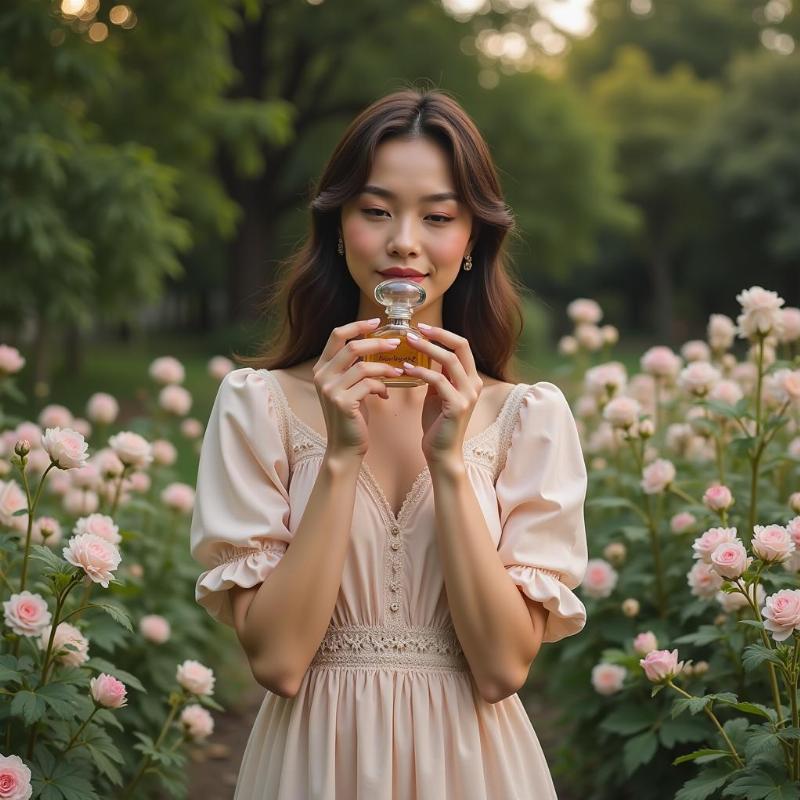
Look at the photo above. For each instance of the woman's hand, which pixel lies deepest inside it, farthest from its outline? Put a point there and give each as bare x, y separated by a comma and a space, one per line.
342, 383
452, 393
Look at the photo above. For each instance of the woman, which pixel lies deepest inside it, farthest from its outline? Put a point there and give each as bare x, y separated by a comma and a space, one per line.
393, 560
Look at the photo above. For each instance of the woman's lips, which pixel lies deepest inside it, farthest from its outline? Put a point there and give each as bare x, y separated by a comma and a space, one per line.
415, 278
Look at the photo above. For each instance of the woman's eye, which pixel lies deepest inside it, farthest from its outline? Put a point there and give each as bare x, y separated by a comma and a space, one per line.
440, 218
374, 211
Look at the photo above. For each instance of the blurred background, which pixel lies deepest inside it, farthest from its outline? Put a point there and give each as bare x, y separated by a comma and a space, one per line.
157, 157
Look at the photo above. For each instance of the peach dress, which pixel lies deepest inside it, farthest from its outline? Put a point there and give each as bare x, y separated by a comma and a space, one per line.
388, 709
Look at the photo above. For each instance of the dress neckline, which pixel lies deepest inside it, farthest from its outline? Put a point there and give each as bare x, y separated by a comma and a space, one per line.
421, 481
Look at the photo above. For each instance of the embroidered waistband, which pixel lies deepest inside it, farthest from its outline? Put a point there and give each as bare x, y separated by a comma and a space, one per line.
427, 649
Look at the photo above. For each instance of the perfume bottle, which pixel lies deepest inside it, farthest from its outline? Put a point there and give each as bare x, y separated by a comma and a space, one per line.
400, 297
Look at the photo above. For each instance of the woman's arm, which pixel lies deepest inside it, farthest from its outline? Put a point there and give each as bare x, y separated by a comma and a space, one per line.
499, 632
282, 622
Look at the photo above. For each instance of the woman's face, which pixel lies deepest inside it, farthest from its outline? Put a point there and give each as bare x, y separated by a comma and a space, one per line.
407, 216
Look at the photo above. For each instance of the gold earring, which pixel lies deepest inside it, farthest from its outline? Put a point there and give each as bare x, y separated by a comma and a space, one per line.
340, 247
468, 261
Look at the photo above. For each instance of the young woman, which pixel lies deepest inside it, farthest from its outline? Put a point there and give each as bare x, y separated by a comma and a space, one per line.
392, 559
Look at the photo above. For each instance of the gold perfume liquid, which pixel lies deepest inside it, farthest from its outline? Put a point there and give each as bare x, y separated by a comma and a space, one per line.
403, 352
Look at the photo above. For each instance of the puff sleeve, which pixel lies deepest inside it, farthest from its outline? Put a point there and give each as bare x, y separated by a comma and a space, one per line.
240, 523
540, 493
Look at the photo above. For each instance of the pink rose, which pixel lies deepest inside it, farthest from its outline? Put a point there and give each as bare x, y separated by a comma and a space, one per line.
108, 463
730, 559
661, 665
69, 644
139, 482
197, 722
584, 310
610, 334
30, 431
154, 628
99, 525
657, 477
175, 400
726, 391
15, 778
608, 678
55, 416
772, 542
167, 370
706, 544
107, 691
718, 498
12, 499
793, 528
703, 581
164, 453
192, 428
790, 325
681, 522
219, 367
622, 412
781, 613
645, 643
567, 345
131, 449
66, 448
46, 530
10, 360
26, 614
80, 501
761, 312
179, 497
721, 331
661, 362
86, 477
695, 350
38, 462
97, 557
600, 578
588, 336
102, 408
698, 377
608, 378
195, 678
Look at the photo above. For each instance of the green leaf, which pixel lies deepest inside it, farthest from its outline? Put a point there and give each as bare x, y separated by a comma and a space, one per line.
28, 705
117, 613
759, 785
630, 718
638, 751
8, 669
683, 729
706, 634
756, 654
706, 753
61, 698
756, 708
693, 704
51, 561
704, 784
205, 700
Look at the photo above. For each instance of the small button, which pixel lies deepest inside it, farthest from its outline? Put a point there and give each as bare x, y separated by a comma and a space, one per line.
395, 545
395, 531
394, 606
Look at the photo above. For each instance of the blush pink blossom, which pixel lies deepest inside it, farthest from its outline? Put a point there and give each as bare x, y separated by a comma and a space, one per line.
82, 426
97, 557
622, 412
695, 350
155, 628
139, 482
195, 677
661, 362
175, 400
167, 370
608, 379
178, 497
11, 361
781, 613
610, 334
657, 477
102, 408
70, 646
46, 530
761, 312
793, 528
567, 345
192, 428
38, 462
682, 521
772, 543
108, 463
735, 601
726, 391
219, 367
589, 336
100, 525
608, 678
132, 449
708, 542
15, 778
26, 613
584, 309
718, 498
66, 447
12, 499
80, 501
55, 416
721, 331
790, 325
164, 453
30, 431
600, 578
59, 483
197, 722
704, 581
730, 559
107, 691
86, 477
645, 643
698, 378
661, 665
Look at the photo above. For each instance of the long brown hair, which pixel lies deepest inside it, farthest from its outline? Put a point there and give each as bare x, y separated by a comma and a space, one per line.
316, 293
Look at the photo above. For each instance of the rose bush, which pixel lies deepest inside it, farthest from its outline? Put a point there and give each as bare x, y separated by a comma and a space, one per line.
684, 682
103, 657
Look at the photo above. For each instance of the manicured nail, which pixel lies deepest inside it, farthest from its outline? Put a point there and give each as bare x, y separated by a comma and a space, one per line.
424, 326
392, 341
413, 336
373, 320
407, 365
397, 370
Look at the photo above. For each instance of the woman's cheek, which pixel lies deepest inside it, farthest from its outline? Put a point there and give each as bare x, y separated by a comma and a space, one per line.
362, 242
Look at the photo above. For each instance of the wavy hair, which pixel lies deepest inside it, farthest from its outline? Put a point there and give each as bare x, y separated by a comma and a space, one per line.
316, 293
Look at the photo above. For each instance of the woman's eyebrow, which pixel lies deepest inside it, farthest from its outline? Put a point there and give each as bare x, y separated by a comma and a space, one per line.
381, 192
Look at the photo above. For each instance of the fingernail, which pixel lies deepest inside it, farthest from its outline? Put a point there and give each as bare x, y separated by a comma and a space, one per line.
407, 365
412, 336
397, 370
392, 341
373, 320
424, 326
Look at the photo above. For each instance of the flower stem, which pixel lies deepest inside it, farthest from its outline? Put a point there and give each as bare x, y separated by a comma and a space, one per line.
31, 509
78, 732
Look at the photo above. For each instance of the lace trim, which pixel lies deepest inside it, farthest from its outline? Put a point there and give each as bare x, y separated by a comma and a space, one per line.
366, 647
232, 553
551, 572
